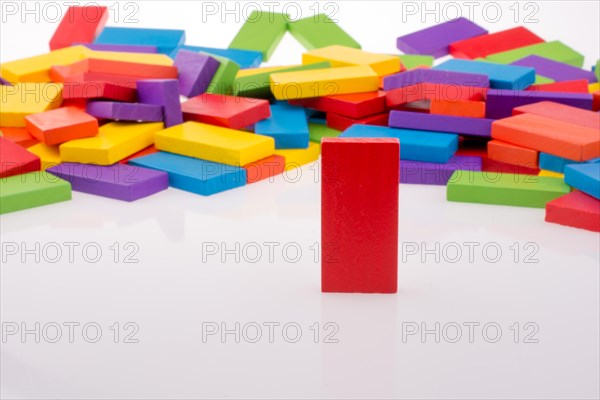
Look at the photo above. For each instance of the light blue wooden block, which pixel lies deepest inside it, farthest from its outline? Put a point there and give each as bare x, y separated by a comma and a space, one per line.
501, 76
165, 40
287, 125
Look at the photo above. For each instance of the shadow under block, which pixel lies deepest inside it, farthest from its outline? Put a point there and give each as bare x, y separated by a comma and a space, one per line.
320, 131
114, 142
49, 155
23, 99
435, 40
226, 111
504, 189
561, 112
359, 215
196, 72
576, 209
428, 173
466, 126
341, 56
585, 177
512, 154
500, 102
295, 158
79, 25
555, 50
214, 143
262, 32
165, 40
459, 108
165, 93
323, 82
287, 125
192, 174
265, 168
118, 181
61, 125
416, 145
31, 190
501, 76
16, 160
428, 75
354, 105
555, 70
483, 46
120, 111
548, 135
319, 31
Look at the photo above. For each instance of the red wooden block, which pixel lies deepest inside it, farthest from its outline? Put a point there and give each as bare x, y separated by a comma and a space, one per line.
596, 101
342, 123
81, 104
99, 90
355, 105
461, 108
359, 215
227, 111
577, 86
19, 136
265, 168
493, 168
433, 91
512, 154
79, 25
575, 209
61, 125
141, 153
483, 46
127, 70
561, 112
15, 160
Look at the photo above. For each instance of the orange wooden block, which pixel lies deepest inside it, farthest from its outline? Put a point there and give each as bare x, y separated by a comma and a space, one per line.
512, 154
20, 136
61, 125
141, 153
572, 115
135, 71
461, 108
577, 86
265, 168
549, 135
433, 91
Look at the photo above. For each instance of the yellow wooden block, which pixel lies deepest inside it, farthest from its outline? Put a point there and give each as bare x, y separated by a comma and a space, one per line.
35, 69
341, 56
594, 87
143, 58
295, 158
215, 143
254, 71
323, 82
22, 99
551, 174
114, 142
49, 155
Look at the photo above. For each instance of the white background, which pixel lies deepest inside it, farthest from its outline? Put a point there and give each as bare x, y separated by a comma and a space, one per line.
171, 292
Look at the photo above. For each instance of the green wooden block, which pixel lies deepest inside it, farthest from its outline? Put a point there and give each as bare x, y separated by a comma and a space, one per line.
31, 190
262, 32
411, 61
319, 131
222, 82
504, 189
320, 31
555, 50
258, 86
597, 70
540, 80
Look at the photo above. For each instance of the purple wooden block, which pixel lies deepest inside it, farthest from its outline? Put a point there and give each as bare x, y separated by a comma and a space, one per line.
118, 181
125, 111
122, 48
500, 102
426, 75
427, 173
162, 92
434, 41
555, 70
3, 82
466, 126
195, 72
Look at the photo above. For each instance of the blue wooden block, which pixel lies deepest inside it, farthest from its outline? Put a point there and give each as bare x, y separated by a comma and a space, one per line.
554, 163
245, 58
192, 174
415, 145
585, 177
501, 76
287, 125
165, 40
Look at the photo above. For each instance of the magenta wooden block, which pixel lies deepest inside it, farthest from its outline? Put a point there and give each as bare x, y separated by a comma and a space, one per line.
426, 75
435, 41
428, 173
122, 48
466, 126
118, 181
125, 111
500, 102
555, 70
196, 71
162, 92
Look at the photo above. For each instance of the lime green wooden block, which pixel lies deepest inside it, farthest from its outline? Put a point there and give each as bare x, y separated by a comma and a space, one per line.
597, 70
35, 189
412, 61
222, 81
319, 131
504, 189
262, 32
555, 50
320, 31
540, 80
259, 85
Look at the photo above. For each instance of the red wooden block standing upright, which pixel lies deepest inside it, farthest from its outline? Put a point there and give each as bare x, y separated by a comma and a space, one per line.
359, 215
79, 25
15, 160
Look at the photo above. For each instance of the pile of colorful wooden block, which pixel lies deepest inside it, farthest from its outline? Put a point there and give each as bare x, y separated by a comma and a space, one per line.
500, 122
